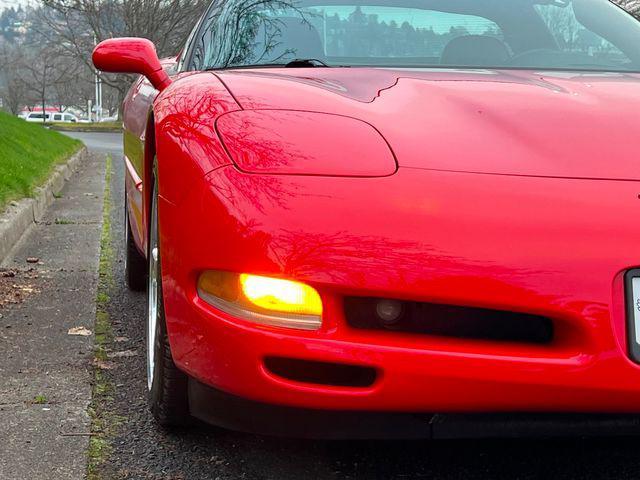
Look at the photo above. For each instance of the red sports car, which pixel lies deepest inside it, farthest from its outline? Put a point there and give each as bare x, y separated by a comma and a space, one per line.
356, 214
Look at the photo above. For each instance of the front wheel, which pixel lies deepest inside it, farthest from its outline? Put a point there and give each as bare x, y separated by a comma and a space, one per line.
167, 384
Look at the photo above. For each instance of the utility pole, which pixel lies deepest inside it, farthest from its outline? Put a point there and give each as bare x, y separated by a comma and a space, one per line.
100, 85
98, 81
98, 104
98, 98
44, 93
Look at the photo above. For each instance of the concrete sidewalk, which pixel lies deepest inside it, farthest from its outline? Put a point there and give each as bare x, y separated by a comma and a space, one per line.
45, 372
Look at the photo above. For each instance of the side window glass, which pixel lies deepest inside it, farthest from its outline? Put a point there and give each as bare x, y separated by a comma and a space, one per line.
202, 38
187, 48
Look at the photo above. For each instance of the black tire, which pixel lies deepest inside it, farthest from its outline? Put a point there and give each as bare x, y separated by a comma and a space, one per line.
168, 398
135, 265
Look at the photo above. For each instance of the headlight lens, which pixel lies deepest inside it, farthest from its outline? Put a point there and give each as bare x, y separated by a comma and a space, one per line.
264, 300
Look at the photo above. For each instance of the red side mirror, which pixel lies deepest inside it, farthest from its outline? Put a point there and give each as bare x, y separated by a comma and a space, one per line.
131, 55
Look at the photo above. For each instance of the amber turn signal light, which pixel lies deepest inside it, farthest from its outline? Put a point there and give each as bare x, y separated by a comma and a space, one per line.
263, 300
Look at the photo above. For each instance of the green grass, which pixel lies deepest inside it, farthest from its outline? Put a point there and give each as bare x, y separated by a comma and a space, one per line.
28, 154
40, 400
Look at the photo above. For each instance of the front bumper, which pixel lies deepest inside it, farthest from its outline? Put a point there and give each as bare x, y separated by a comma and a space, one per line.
551, 247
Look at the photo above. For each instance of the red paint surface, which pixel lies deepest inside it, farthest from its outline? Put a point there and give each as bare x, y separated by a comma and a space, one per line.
507, 122
131, 55
304, 143
515, 190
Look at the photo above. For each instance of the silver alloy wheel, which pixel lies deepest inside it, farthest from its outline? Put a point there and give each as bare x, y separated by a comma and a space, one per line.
152, 292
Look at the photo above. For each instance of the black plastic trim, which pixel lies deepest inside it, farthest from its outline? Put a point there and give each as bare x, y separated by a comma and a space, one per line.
231, 412
633, 347
321, 373
228, 411
453, 321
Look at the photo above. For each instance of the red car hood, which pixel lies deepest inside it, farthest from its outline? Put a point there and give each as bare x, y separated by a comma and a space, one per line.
552, 124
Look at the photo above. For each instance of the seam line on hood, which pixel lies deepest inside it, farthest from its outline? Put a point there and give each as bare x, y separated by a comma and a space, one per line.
228, 89
498, 174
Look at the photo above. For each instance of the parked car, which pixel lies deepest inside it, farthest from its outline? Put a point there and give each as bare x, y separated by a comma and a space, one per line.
64, 118
51, 117
418, 210
37, 117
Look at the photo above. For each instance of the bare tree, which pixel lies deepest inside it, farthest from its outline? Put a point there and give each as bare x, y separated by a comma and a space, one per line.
13, 90
75, 26
14, 94
72, 83
41, 71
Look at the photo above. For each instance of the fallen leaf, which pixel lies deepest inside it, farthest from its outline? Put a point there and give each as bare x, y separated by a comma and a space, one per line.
124, 353
102, 365
81, 331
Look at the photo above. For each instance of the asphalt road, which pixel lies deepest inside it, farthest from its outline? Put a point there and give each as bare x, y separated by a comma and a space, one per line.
142, 450
106, 143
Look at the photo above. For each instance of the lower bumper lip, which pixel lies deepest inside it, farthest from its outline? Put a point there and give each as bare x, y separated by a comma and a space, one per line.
237, 413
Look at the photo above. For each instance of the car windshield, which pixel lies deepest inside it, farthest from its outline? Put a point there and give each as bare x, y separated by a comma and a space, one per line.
592, 35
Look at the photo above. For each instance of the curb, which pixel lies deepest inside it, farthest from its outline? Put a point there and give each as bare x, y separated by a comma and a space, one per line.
19, 216
87, 130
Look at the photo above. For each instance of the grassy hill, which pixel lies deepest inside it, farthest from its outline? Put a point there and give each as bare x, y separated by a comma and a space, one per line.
28, 153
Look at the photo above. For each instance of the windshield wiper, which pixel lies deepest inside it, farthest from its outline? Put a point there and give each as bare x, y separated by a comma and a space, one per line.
305, 62
296, 63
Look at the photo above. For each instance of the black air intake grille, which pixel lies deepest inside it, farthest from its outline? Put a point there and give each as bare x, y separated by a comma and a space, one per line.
321, 373
450, 321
